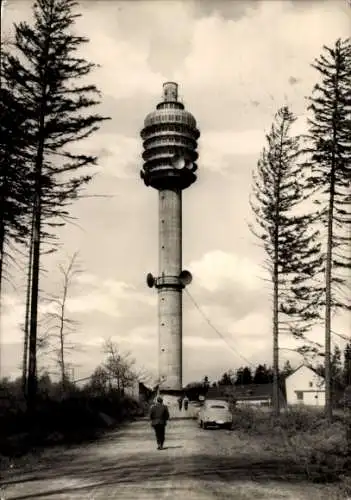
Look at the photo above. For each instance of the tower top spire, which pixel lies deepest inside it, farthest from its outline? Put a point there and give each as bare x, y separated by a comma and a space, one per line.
170, 92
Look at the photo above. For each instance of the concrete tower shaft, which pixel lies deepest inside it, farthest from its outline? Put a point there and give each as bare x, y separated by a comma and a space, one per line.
170, 141
170, 289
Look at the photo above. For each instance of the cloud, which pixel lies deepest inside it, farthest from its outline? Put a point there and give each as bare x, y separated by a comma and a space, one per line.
223, 8
123, 64
216, 268
12, 316
87, 279
235, 62
106, 298
219, 148
110, 298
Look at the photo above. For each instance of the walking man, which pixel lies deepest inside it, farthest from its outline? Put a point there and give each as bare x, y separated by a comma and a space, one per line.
180, 403
159, 416
186, 403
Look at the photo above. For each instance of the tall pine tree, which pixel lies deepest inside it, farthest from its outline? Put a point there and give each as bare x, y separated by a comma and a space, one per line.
289, 245
347, 365
329, 180
43, 69
15, 191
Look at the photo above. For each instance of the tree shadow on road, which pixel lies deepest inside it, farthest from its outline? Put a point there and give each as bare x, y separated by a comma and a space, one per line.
153, 466
171, 447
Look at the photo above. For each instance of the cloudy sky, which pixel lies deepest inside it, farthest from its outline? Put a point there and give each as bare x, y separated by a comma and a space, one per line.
236, 63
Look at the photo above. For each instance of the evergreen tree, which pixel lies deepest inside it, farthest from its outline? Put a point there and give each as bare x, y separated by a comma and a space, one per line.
206, 383
15, 193
14, 184
261, 375
247, 375
290, 246
336, 368
270, 375
347, 365
330, 172
239, 378
42, 70
243, 376
287, 369
225, 379
319, 369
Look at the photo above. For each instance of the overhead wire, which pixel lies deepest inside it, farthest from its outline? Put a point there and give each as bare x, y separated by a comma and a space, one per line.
221, 336
343, 337
208, 321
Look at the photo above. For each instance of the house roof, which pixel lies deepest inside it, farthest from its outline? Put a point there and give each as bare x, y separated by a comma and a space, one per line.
144, 388
249, 392
307, 366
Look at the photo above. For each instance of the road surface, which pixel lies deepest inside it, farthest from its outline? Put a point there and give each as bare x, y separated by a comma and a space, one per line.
196, 464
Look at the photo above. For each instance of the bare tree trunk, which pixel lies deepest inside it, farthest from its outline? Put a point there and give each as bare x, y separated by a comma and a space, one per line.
2, 249
328, 301
276, 405
2, 244
2, 228
68, 274
62, 336
26, 324
2, 8
32, 368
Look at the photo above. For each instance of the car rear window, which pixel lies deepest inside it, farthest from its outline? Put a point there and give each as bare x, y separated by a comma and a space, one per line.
217, 406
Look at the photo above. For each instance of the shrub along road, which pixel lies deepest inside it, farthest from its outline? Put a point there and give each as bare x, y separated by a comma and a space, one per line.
198, 464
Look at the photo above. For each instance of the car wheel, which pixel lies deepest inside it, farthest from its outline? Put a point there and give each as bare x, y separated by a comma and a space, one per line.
204, 425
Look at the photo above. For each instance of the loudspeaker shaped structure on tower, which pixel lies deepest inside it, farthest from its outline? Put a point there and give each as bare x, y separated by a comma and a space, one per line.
185, 277
179, 163
150, 280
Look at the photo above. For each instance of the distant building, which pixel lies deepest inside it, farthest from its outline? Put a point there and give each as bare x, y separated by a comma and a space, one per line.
305, 387
243, 395
139, 391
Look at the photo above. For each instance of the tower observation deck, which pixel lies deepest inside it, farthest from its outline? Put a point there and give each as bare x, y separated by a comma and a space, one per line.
170, 141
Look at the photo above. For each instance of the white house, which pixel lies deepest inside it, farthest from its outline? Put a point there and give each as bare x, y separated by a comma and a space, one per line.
305, 387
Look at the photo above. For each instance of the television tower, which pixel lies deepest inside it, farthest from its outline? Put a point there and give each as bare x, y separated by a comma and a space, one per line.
170, 141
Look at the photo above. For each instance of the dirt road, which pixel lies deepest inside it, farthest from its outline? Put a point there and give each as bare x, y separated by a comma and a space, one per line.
195, 464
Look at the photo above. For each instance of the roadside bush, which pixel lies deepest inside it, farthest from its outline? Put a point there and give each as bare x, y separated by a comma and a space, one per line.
72, 417
320, 450
303, 436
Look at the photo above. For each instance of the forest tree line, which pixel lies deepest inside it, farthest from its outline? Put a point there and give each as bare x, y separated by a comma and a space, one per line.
263, 374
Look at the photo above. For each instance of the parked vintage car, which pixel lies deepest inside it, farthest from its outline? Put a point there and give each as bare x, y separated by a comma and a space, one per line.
215, 413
